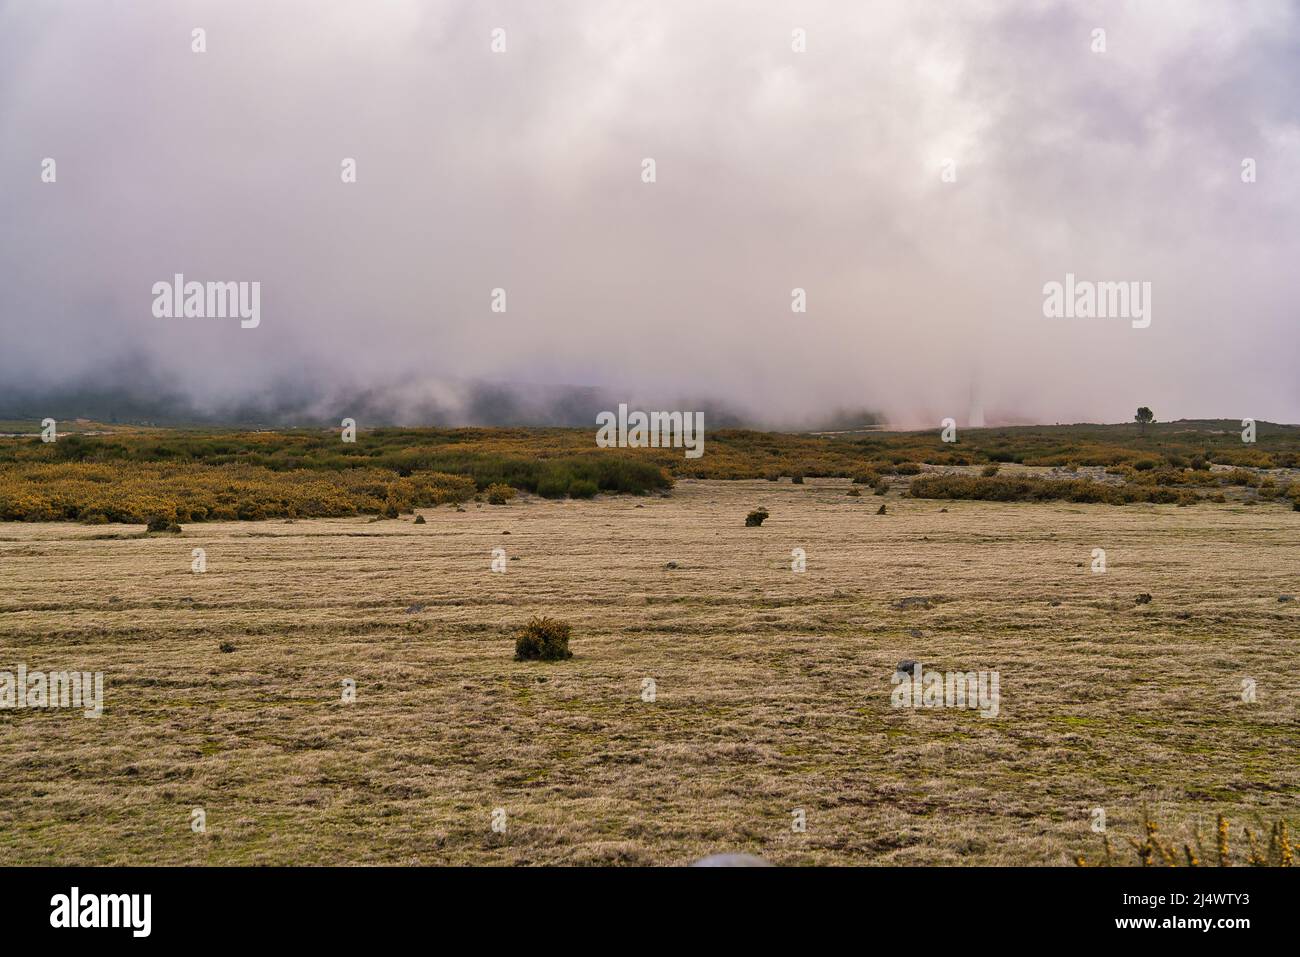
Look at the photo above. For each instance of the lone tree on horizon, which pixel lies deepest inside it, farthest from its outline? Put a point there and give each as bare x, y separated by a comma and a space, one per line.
1144, 415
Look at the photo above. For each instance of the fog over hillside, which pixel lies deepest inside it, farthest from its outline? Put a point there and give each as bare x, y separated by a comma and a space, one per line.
775, 170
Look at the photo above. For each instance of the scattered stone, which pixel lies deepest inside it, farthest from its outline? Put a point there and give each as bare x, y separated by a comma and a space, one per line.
226, 647
1054, 602
505, 533
640, 506
913, 601
942, 510
1144, 599
1286, 597
906, 667
419, 520
1183, 615
915, 633
414, 608
671, 565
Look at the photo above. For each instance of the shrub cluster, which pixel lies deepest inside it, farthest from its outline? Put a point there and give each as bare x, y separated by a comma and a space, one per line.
543, 639
167, 494
1026, 489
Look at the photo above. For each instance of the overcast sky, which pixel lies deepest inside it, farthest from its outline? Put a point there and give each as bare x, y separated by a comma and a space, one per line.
775, 170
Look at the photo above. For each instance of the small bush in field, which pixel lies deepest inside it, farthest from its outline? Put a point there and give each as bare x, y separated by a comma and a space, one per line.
797, 478
543, 639
756, 518
499, 493
581, 488
881, 489
907, 468
160, 523
989, 471
866, 477
855, 493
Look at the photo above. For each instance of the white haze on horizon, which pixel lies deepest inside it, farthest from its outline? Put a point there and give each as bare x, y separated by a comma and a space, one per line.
775, 170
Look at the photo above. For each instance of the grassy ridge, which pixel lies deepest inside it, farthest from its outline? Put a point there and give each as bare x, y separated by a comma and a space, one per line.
729, 453
211, 473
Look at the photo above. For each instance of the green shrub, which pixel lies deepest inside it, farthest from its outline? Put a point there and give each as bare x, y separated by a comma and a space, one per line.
581, 488
553, 485
543, 639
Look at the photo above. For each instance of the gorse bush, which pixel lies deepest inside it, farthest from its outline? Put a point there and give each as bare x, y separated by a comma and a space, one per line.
499, 493
543, 639
1273, 849
137, 493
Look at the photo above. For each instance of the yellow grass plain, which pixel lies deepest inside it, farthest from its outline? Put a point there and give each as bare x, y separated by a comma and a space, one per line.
772, 687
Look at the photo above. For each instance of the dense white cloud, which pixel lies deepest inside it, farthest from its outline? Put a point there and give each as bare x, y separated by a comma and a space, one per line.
775, 170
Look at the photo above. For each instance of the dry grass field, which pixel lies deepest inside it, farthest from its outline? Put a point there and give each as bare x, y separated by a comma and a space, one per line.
772, 688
